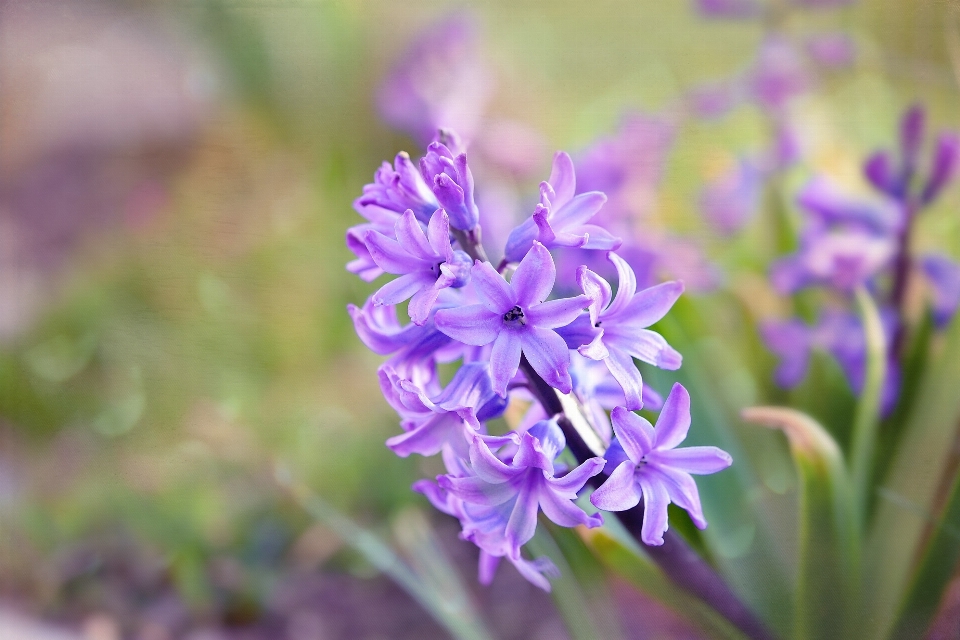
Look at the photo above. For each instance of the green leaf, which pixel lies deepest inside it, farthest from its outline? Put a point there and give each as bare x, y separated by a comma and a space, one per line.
934, 572
868, 407
436, 587
907, 494
641, 572
828, 563
587, 617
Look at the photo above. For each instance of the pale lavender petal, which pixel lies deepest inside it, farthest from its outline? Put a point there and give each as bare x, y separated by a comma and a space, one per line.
579, 332
656, 499
576, 478
625, 371
473, 324
556, 313
620, 491
562, 178
428, 438
652, 399
880, 172
489, 467
627, 286
634, 433
650, 305
402, 288
438, 234
477, 491
411, 237
598, 238
494, 292
683, 492
535, 571
697, 460
505, 359
534, 278
520, 240
595, 288
487, 568
548, 355
390, 255
422, 302
945, 161
564, 512
674, 421
523, 519
644, 345
579, 210
944, 277
790, 340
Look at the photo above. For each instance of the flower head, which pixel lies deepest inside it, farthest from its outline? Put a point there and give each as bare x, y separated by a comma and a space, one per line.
645, 463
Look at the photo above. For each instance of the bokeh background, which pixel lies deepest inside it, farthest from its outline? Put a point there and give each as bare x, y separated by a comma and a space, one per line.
175, 183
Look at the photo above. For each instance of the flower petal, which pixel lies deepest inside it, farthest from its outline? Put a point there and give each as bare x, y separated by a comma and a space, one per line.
697, 460
564, 512
656, 499
535, 276
578, 211
548, 355
563, 178
520, 239
574, 480
597, 289
389, 255
683, 492
556, 313
627, 286
473, 324
411, 237
494, 292
402, 288
476, 491
505, 359
634, 433
620, 491
643, 344
422, 302
674, 421
489, 467
438, 234
598, 238
625, 371
650, 305
523, 520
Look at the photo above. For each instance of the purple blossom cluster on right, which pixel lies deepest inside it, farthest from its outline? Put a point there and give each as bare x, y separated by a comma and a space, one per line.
855, 241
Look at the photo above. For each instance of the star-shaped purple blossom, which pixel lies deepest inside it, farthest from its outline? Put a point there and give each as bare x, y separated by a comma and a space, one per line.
646, 464
839, 258
504, 496
516, 319
622, 326
426, 264
560, 219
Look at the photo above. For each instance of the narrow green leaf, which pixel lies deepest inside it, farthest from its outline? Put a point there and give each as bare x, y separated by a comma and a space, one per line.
646, 576
828, 563
867, 418
451, 609
572, 600
936, 568
906, 497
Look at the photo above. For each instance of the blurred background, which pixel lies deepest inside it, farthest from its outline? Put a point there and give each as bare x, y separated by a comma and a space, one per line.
175, 182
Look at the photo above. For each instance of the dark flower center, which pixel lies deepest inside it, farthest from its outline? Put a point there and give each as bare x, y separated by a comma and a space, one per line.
514, 315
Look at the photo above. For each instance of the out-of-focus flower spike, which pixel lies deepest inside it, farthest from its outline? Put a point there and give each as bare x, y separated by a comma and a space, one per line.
728, 9
945, 160
943, 275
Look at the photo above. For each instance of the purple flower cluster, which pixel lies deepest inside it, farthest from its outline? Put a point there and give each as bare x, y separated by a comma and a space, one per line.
851, 241
516, 339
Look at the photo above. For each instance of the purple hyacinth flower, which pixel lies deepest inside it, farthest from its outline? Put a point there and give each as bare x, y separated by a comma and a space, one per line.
736, 9
448, 418
441, 81
516, 319
943, 274
426, 264
779, 75
646, 464
560, 219
623, 326
879, 170
832, 50
730, 202
791, 341
506, 496
445, 169
841, 259
945, 160
828, 205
